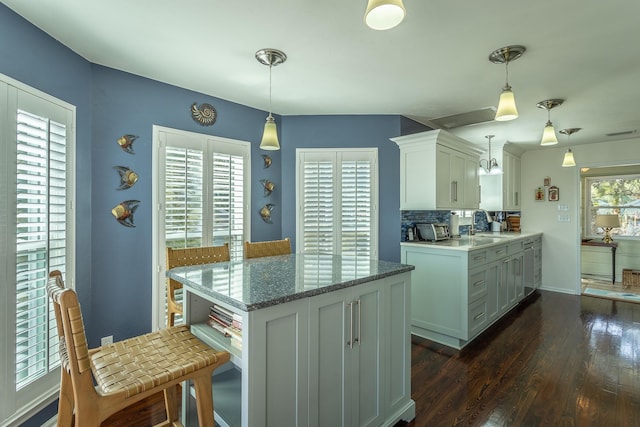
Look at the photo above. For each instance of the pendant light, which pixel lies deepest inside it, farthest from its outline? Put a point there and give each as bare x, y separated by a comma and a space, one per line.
491, 167
384, 14
549, 134
507, 105
569, 160
270, 57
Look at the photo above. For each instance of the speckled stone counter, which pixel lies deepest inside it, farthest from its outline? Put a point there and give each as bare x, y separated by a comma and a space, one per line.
262, 282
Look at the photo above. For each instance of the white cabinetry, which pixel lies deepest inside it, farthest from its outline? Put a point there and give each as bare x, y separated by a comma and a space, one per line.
438, 170
340, 358
456, 294
502, 192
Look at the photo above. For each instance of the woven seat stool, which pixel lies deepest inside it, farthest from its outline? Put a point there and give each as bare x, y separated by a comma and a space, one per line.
127, 371
268, 248
180, 257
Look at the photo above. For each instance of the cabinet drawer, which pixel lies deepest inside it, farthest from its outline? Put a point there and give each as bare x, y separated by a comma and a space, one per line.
477, 285
478, 317
477, 258
516, 247
497, 252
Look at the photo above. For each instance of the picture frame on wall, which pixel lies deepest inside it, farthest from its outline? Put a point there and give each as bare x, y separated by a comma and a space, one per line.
554, 193
539, 194
547, 181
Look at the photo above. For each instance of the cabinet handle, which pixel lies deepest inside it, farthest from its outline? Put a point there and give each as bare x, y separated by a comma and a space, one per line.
479, 193
350, 342
478, 257
516, 198
357, 339
478, 283
477, 316
454, 190
501, 251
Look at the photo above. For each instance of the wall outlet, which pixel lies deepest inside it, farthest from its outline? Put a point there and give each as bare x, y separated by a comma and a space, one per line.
106, 340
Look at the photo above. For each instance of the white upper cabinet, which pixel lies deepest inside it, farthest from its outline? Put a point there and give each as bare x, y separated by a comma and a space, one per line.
438, 170
502, 192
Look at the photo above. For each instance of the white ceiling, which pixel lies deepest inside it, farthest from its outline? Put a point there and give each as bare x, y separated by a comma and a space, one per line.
433, 64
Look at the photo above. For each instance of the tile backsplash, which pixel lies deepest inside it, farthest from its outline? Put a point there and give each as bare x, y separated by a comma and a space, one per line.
410, 218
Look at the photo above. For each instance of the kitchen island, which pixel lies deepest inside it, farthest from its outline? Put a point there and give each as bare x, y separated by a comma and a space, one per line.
462, 286
325, 339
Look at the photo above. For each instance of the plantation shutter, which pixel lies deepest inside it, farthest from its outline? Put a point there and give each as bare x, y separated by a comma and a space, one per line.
337, 202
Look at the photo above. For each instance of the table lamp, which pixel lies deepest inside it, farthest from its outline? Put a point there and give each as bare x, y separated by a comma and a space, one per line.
607, 222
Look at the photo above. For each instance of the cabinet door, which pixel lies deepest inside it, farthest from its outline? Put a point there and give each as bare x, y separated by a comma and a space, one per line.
415, 172
458, 179
503, 285
493, 281
329, 331
471, 184
444, 185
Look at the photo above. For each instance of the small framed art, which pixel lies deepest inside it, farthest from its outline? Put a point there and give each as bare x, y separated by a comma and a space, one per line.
554, 193
539, 197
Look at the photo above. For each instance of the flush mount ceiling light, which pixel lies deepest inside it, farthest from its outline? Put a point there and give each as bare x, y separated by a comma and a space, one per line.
491, 167
384, 14
507, 105
569, 160
270, 57
549, 134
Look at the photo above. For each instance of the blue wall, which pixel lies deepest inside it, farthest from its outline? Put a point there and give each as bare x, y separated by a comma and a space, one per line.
113, 263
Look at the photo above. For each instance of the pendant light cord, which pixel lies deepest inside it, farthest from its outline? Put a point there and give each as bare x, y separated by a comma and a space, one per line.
270, 65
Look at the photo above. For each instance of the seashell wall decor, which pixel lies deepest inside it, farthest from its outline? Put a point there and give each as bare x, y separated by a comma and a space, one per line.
204, 115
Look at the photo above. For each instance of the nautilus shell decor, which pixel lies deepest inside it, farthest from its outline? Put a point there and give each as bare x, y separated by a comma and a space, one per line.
268, 186
267, 160
123, 212
127, 177
126, 142
265, 212
204, 115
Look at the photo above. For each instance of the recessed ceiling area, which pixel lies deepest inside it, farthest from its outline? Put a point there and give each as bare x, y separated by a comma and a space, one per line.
434, 65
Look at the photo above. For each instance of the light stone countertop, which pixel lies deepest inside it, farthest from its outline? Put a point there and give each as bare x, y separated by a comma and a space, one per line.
476, 241
256, 283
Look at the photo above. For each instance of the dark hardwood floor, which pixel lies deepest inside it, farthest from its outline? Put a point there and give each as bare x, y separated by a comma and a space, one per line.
555, 360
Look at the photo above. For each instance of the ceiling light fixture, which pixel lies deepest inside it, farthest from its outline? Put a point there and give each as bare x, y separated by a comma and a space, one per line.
569, 160
549, 134
384, 14
491, 167
507, 105
270, 57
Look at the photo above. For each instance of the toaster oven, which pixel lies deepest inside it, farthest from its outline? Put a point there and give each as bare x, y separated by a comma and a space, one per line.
434, 231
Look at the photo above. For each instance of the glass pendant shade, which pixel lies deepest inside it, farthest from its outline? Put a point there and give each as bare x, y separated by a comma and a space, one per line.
270, 135
495, 170
549, 135
568, 161
384, 14
506, 106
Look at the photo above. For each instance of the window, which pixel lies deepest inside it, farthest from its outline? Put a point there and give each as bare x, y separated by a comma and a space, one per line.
614, 195
38, 155
337, 193
202, 194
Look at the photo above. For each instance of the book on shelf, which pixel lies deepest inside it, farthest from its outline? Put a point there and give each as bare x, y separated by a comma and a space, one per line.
233, 332
236, 343
226, 316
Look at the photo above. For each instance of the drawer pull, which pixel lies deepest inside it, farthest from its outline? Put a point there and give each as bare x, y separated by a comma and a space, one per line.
478, 257
501, 251
478, 283
477, 316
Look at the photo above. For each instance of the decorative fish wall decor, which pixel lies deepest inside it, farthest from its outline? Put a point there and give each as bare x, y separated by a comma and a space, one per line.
265, 212
267, 160
126, 142
127, 177
268, 186
204, 115
123, 212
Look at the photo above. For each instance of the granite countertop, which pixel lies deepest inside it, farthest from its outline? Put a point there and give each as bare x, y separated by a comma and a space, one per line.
476, 241
256, 283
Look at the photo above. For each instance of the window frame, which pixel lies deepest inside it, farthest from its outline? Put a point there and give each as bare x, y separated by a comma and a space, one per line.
18, 405
233, 147
590, 210
337, 155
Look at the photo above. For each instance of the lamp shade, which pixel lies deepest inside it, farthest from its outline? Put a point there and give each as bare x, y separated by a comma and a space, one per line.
549, 135
568, 159
607, 221
270, 135
506, 106
384, 14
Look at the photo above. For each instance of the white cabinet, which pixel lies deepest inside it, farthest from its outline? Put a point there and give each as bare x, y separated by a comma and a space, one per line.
502, 192
341, 358
438, 170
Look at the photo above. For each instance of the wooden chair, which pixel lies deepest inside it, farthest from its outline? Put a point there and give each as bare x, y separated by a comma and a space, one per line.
100, 382
268, 248
184, 257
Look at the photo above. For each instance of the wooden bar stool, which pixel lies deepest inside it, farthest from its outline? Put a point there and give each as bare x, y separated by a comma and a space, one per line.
268, 248
184, 257
100, 382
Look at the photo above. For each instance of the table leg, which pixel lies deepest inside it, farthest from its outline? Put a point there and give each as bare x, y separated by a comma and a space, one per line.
613, 264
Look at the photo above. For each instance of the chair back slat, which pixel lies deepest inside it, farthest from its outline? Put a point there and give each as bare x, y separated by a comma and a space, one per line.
197, 256
268, 248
